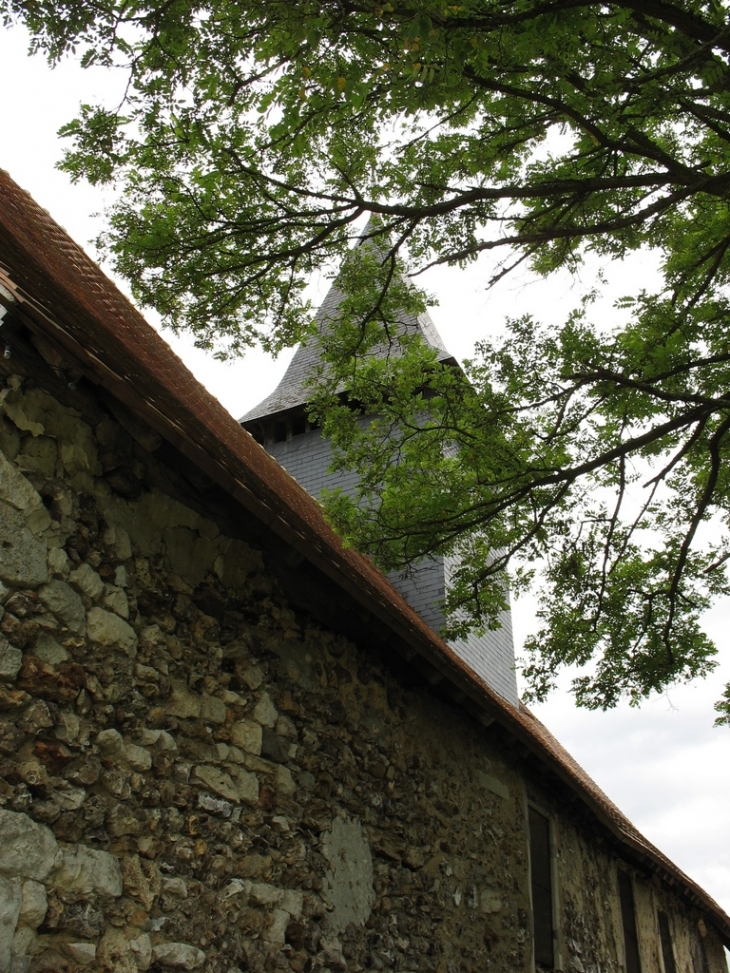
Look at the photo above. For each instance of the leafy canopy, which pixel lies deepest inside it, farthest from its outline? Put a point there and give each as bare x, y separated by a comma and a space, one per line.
253, 136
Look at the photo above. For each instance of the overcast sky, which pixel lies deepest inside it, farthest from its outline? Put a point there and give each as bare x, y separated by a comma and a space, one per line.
664, 765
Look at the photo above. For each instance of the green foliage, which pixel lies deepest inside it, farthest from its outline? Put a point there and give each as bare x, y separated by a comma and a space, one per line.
254, 136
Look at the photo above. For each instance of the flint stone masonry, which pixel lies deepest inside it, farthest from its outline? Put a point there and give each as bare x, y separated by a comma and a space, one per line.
195, 776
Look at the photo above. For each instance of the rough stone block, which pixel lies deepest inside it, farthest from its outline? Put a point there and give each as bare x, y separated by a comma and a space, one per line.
10, 901
247, 784
109, 629
28, 849
217, 781
48, 649
275, 927
20, 493
265, 712
87, 580
22, 555
34, 904
11, 660
62, 600
82, 953
212, 709
142, 949
178, 956
183, 703
83, 869
247, 735
138, 758
115, 599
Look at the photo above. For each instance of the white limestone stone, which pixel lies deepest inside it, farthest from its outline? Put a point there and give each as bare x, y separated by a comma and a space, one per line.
106, 628
265, 712
138, 758
212, 709
29, 849
87, 580
82, 869
62, 600
34, 904
178, 956
110, 742
58, 562
247, 735
11, 660
247, 784
115, 599
22, 554
20, 493
142, 949
48, 649
217, 781
275, 927
10, 901
82, 953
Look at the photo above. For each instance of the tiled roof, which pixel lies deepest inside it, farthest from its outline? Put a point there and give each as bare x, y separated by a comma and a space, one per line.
292, 390
68, 300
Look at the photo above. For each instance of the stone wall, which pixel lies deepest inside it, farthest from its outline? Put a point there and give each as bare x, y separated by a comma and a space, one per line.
195, 777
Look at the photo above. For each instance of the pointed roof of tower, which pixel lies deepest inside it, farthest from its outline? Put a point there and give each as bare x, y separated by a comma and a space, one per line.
293, 390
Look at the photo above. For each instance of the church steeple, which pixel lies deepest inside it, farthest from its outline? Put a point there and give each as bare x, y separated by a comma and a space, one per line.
280, 423
286, 404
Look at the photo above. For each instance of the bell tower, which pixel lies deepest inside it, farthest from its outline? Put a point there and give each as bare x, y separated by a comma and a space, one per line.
281, 425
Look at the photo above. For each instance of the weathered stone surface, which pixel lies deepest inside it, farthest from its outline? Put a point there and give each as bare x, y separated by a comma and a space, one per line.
34, 904
178, 956
217, 781
10, 903
61, 684
275, 926
214, 805
265, 712
115, 599
109, 629
62, 600
183, 703
11, 738
10, 660
212, 710
18, 492
285, 782
48, 649
138, 758
28, 849
115, 953
142, 949
142, 880
85, 578
82, 869
350, 879
82, 953
58, 562
247, 735
247, 784
22, 554
110, 742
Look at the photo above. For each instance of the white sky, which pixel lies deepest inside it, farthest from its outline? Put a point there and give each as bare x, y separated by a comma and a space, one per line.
664, 765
